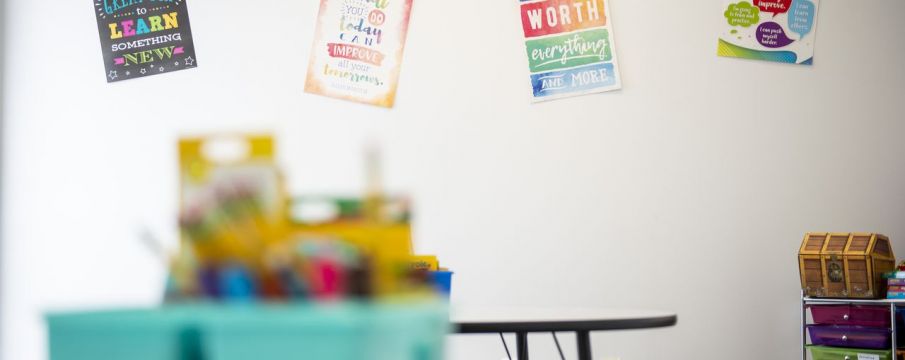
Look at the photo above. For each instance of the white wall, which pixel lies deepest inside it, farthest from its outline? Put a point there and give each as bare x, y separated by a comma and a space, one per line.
2, 157
689, 190
2, 123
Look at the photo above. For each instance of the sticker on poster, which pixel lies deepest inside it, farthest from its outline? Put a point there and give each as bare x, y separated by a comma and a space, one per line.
770, 30
144, 38
570, 48
357, 50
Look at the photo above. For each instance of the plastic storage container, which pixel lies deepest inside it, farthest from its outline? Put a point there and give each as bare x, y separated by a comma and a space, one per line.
862, 315
341, 331
831, 353
850, 336
442, 281
333, 332
165, 334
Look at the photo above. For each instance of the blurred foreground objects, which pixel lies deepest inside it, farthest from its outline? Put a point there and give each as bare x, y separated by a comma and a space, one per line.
262, 276
312, 331
244, 239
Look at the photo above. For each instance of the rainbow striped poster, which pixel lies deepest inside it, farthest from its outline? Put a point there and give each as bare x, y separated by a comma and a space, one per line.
357, 50
570, 48
771, 30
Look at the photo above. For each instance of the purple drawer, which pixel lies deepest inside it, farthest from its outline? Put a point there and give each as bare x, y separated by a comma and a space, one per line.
850, 336
861, 315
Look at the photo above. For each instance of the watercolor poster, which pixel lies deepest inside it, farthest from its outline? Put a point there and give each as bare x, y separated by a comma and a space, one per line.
144, 37
570, 47
771, 30
357, 50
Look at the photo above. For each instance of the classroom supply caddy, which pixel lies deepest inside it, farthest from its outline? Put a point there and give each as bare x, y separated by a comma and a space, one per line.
243, 237
257, 277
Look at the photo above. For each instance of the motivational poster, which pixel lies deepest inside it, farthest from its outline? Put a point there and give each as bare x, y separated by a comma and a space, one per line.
771, 30
357, 50
570, 47
144, 37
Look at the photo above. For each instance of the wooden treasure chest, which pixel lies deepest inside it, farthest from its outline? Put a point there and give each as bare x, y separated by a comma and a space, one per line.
845, 265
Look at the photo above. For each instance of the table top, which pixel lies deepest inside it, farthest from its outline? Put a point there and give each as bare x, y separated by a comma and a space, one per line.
493, 320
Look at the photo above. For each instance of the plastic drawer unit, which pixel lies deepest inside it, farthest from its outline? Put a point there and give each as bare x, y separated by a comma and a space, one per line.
860, 315
834, 353
850, 336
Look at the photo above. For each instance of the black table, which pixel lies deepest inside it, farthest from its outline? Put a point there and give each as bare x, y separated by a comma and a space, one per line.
522, 321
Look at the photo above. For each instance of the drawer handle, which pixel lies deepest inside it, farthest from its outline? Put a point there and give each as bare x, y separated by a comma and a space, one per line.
844, 338
845, 317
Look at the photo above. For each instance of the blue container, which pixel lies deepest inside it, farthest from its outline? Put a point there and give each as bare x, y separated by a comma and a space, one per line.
442, 281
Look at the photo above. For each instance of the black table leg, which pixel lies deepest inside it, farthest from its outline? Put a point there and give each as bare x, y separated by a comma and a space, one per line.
584, 345
521, 344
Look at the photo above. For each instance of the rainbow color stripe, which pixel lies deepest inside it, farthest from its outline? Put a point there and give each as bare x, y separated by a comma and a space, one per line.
726, 49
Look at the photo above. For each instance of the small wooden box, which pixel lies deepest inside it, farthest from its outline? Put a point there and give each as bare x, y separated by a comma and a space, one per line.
845, 265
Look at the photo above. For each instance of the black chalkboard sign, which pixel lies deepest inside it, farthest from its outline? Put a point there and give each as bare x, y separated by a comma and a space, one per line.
144, 37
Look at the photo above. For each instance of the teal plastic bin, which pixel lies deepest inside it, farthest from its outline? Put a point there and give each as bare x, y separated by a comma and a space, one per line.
408, 333
342, 331
165, 334
329, 332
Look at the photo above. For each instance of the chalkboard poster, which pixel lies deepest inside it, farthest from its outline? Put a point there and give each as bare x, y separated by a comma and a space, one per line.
144, 37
